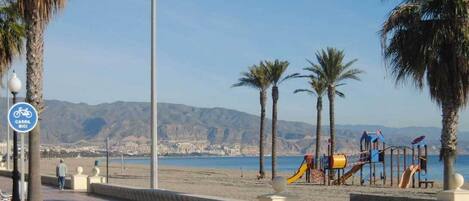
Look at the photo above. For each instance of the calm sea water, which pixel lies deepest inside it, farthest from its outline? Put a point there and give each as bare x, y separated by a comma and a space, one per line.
284, 164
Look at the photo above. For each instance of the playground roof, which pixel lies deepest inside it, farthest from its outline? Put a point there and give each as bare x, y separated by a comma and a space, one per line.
419, 140
372, 136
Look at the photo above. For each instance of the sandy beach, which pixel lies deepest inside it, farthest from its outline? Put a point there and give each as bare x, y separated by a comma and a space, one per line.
225, 183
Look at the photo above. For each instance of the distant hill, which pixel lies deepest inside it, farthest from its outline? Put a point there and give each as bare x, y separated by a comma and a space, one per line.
65, 122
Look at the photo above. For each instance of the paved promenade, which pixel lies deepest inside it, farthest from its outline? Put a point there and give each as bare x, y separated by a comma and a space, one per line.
53, 194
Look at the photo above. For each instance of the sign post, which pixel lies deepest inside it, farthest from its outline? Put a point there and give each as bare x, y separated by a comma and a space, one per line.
22, 118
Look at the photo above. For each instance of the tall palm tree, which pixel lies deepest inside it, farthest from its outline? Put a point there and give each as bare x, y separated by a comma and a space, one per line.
332, 69
276, 74
256, 78
12, 34
36, 15
428, 42
318, 89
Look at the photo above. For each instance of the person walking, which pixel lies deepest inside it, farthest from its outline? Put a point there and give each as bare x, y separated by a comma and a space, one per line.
61, 171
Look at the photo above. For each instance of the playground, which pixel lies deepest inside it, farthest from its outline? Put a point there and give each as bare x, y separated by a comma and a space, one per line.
376, 164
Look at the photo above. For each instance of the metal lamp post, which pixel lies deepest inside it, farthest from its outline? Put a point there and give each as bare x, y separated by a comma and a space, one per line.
8, 131
154, 110
14, 85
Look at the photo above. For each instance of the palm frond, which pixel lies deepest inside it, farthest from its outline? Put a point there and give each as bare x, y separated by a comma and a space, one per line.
304, 76
331, 69
276, 71
46, 9
340, 84
426, 42
304, 90
350, 63
352, 74
339, 93
317, 85
294, 75
256, 78
12, 33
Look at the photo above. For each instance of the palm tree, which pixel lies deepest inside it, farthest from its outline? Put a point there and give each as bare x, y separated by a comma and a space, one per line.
276, 74
334, 72
427, 42
12, 33
318, 89
36, 15
256, 78
11, 40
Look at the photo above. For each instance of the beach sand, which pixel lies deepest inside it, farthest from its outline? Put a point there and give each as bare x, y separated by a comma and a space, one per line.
225, 183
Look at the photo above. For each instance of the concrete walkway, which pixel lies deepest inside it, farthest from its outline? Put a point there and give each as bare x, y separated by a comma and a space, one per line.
53, 194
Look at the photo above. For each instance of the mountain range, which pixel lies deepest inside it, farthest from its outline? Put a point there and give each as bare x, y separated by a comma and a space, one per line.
65, 122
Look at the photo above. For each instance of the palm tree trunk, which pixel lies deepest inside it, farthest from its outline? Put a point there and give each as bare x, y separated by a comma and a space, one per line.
274, 129
263, 98
449, 141
331, 96
318, 132
34, 76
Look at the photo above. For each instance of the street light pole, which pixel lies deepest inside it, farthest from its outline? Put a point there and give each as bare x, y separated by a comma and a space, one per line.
154, 110
16, 173
14, 85
22, 195
8, 132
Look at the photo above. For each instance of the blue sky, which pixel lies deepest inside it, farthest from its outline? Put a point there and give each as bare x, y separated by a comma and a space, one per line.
98, 51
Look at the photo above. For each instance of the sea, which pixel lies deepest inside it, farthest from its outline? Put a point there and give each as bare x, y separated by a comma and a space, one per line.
288, 164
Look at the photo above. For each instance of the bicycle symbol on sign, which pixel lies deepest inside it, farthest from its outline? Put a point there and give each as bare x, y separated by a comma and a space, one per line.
22, 112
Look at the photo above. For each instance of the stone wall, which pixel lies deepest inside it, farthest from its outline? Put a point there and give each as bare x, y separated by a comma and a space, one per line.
130, 193
373, 197
5, 173
52, 181
139, 194
45, 179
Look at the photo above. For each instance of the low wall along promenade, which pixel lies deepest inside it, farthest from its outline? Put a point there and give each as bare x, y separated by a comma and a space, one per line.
129, 193
46, 180
139, 194
372, 197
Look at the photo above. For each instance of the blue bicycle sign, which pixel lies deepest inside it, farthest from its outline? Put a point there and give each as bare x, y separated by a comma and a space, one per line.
22, 117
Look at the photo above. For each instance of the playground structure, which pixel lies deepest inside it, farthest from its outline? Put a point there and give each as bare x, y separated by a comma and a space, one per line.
418, 164
371, 158
306, 168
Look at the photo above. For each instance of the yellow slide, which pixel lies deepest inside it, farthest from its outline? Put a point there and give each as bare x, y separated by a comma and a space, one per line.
407, 175
301, 171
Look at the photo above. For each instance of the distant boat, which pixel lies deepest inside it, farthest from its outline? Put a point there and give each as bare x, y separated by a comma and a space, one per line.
130, 153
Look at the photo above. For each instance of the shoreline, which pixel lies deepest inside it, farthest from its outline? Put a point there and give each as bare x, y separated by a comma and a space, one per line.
285, 164
216, 156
